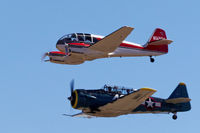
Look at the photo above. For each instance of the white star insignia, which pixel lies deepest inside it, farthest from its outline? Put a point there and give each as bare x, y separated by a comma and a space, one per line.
149, 103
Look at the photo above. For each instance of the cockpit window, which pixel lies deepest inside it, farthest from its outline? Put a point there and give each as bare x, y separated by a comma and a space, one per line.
81, 38
118, 89
68, 38
78, 37
74, 38
88, 39
95, 40
79, 33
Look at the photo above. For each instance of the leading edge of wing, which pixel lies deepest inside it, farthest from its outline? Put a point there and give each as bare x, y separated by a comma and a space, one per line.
109, 43
129, 102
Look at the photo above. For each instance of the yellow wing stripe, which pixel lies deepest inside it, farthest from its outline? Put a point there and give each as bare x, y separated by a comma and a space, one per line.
148, 89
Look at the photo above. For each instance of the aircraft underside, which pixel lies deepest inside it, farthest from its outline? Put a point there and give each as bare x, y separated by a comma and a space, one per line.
84, 54
119, 52
104, 114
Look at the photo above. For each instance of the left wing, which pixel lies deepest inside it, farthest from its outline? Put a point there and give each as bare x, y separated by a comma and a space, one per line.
109, 43
128, 102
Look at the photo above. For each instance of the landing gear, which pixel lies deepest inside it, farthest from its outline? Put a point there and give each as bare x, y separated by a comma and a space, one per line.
151, 59
67, 50
174, 116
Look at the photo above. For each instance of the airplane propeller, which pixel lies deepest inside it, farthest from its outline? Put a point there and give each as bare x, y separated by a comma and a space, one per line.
72, 89
70, 98
72, 86
44, 56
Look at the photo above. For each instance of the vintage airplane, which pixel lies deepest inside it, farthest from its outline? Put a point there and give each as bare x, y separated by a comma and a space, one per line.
112, 101
76, 48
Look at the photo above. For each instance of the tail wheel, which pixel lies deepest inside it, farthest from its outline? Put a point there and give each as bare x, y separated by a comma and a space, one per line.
174, 116
152, 59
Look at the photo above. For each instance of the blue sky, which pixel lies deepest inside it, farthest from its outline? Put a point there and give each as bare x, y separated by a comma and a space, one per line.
33, 94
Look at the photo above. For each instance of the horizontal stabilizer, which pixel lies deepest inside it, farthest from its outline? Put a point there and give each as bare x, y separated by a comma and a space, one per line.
178, 100
161, 42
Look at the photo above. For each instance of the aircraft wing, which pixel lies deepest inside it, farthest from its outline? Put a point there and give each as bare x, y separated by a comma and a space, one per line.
109, 43
129, 102
74, 58
80, 115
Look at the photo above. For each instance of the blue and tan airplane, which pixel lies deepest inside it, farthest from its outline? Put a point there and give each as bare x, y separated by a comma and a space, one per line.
113, 101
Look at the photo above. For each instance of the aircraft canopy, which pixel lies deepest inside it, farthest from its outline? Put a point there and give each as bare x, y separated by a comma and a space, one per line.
77, 37
118, 89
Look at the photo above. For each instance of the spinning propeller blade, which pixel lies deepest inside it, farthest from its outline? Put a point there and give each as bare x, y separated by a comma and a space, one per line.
43, 57
72, 86
72, 89
70, 98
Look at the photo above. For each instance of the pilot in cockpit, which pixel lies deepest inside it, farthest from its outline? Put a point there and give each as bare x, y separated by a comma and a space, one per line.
74, 38
109, 89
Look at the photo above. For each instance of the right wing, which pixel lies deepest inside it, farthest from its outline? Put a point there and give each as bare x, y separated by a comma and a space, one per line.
109, 43
129, 102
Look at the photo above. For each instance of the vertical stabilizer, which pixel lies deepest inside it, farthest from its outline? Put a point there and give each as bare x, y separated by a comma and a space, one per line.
180, 98
158, 41
158, 34
179, 92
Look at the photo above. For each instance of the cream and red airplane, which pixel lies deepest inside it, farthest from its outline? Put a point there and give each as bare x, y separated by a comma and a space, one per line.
76, 48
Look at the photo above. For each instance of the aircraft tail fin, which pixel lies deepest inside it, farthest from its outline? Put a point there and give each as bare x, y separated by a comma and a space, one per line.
179, 95
158, 34
158, 41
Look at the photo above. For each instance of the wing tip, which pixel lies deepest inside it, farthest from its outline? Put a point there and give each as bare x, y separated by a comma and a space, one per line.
148, 89
128, 27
